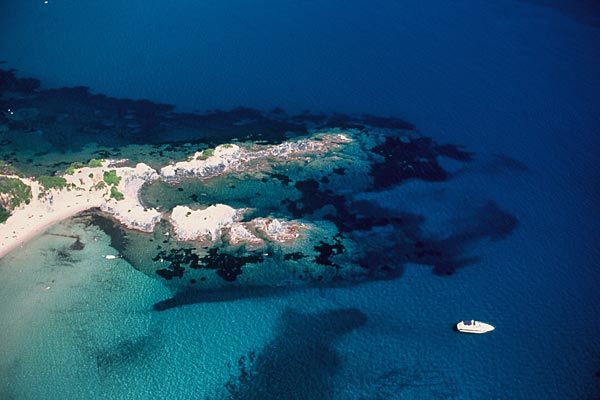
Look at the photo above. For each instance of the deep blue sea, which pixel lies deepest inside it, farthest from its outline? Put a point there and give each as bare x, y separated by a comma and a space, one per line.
516, 82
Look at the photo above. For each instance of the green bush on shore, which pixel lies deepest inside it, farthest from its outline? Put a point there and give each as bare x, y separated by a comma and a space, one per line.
52, 182
4, 214
94, 163
73, 167
18, 191
205, 154
115, 194
111, 177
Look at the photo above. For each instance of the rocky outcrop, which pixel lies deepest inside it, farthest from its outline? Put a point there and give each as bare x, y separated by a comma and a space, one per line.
135, 217
232, 157
240, 234
206, 224
201, 165
130, 211
278, 230
320, 143
210, 224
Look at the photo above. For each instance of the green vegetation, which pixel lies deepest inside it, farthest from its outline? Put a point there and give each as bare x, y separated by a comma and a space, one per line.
205, 154
115, 194
94, 163
227, 145
111, 177
52, 182
73, 167
100, 185
17, 192
4, 214
91, 176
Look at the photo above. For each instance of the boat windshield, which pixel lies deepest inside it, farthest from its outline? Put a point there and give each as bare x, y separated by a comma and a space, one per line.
467, 322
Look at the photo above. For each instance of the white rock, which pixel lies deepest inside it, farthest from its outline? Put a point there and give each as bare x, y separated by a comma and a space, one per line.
239, 233
224, 158
277, 230
130, 211
191, 224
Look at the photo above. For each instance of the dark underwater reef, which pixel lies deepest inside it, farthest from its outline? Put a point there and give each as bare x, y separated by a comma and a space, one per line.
385, 256
356, 240
71, 117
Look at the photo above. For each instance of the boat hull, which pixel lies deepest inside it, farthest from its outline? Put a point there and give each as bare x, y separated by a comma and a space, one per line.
475, 327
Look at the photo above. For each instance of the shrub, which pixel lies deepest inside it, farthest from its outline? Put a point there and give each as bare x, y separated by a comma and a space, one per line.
52, 182
94, 163
115, 194
73, 167
205, 154
18, 191
111, 177
100, 185
4, 214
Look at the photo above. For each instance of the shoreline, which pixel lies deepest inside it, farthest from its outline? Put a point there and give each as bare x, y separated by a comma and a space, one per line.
85, 189
49, 207
25, 224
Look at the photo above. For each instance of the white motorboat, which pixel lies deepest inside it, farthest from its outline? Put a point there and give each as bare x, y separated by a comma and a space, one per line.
472, 326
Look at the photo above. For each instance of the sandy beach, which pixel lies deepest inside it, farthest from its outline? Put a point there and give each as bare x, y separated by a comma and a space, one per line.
56, 205
39, 215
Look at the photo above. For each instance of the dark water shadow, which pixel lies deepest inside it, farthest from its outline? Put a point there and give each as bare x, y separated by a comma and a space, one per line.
385, 252
191, 296
196, 296
586, 12
112, 360
420, 381
300, 362
446, 255
495, 164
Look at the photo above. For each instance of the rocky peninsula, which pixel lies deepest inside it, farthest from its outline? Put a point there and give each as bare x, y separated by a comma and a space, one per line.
220, 198
115, 189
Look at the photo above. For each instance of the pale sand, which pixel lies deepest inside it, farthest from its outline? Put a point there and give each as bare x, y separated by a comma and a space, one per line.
57, 205
39, 215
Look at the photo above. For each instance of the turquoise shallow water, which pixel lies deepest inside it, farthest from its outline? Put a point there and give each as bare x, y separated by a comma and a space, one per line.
93, 333
516, 82
84, 327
